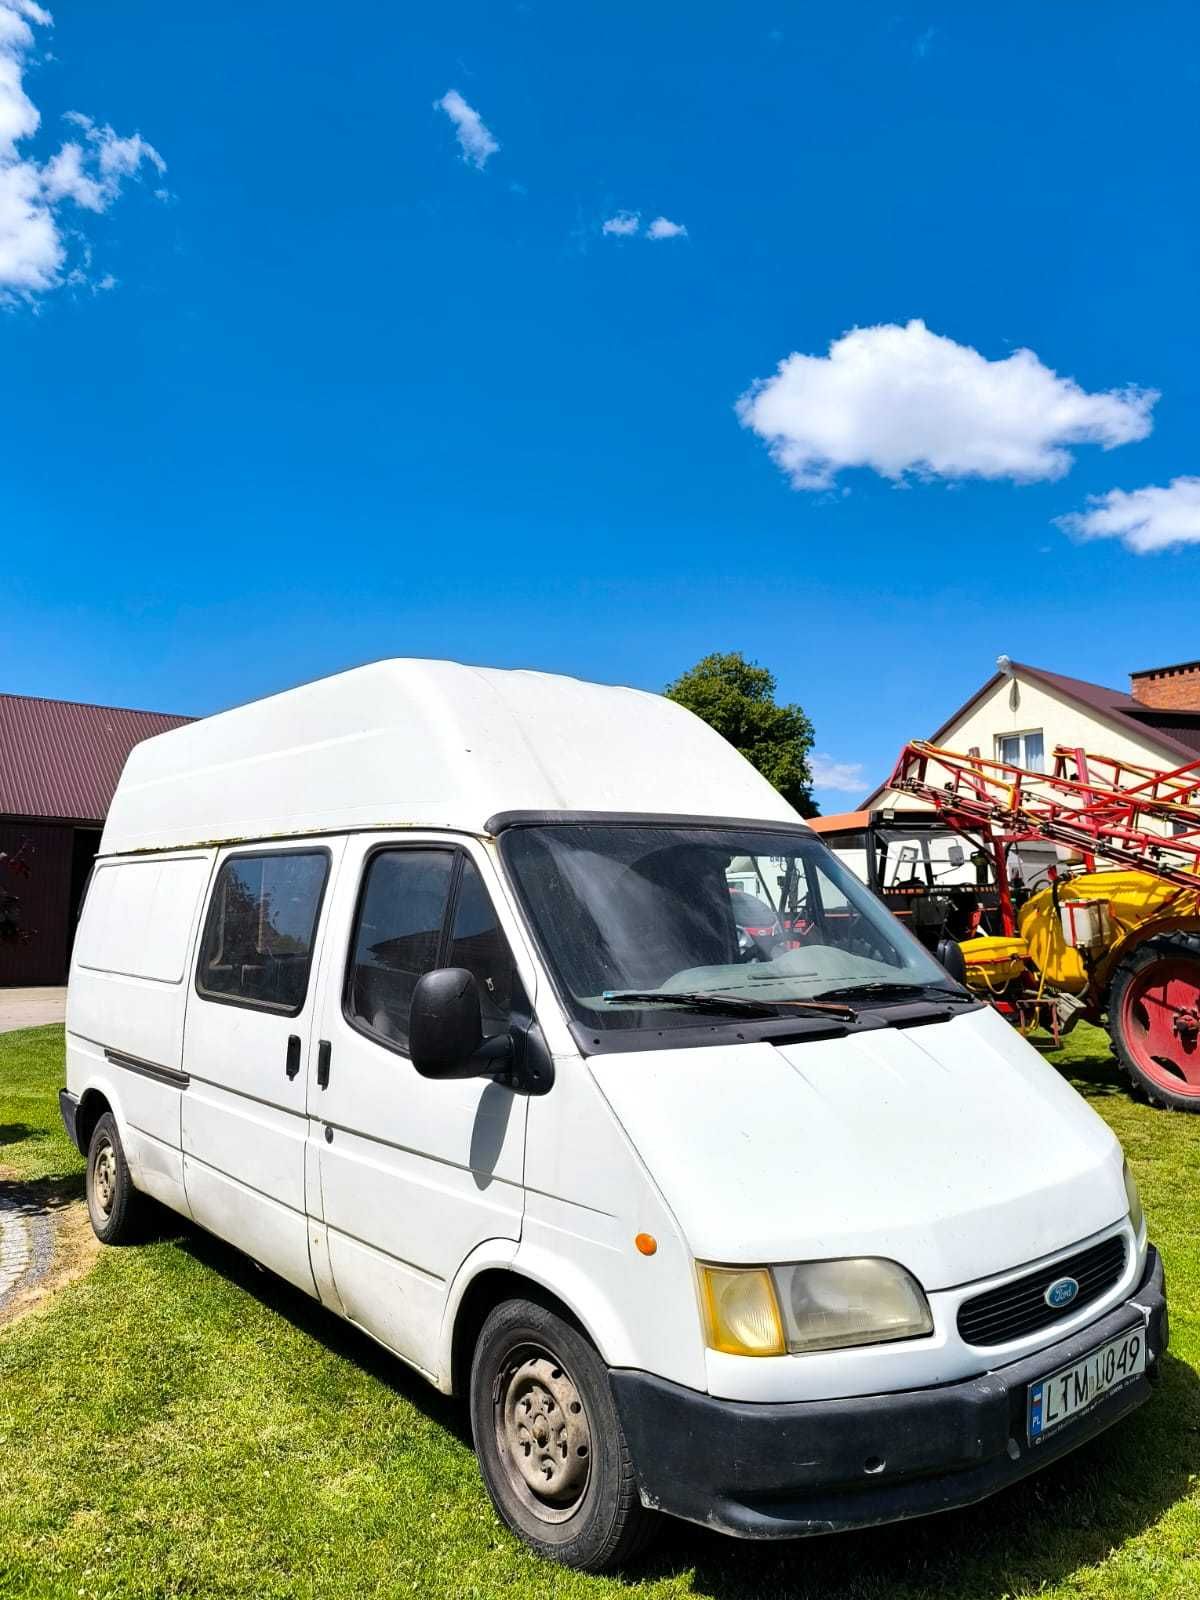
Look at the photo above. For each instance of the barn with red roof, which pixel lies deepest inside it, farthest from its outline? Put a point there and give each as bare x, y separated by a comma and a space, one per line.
59, 764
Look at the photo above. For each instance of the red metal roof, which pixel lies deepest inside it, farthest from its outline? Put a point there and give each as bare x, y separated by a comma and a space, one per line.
59, 758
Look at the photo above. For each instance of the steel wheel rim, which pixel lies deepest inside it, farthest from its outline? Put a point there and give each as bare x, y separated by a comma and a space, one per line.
104, 1178
1160, 1021
543, 1435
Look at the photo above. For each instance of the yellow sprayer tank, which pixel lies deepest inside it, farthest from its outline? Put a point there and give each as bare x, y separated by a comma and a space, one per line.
1133, 898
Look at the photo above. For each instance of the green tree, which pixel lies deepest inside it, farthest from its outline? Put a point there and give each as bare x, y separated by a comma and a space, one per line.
737, 698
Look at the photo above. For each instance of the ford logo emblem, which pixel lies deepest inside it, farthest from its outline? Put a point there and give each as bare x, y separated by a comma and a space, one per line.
1060, 1293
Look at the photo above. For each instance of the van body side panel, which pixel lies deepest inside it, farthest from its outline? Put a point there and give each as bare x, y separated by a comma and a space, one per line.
154, 1161
587, 1197
415, 1173
244, 1123
270, 1233
132, 954
126, 1004
400, 1221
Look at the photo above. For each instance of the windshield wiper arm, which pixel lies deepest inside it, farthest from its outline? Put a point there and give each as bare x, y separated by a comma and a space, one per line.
709, 1000
888, 990
692, 999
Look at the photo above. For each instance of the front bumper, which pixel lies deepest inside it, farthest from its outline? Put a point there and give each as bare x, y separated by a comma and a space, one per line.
786, 1471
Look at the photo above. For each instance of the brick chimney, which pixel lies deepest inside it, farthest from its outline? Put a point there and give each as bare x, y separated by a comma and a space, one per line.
1168, 688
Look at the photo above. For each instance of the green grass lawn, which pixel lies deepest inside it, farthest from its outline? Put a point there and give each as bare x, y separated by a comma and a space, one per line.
178, 1423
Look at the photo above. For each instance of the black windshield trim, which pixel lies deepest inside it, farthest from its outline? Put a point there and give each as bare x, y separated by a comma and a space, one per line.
735, 1030
762, 1030
503, 820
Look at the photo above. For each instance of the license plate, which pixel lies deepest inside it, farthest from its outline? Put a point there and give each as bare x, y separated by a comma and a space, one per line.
1075, 1389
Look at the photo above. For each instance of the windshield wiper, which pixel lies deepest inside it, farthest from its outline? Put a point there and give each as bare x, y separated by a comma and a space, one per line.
709, 1000
882, 989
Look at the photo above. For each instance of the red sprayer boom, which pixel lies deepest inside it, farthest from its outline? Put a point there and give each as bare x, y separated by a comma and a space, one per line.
1100, 806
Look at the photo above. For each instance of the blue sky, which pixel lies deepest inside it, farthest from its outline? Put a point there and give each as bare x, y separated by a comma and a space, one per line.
320, 389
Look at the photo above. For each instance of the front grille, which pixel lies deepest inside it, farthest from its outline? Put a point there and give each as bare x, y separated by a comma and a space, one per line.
1019, 1308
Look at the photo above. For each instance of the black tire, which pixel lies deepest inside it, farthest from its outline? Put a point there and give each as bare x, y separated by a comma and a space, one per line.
1155, 1067
116, 1209
585, 1511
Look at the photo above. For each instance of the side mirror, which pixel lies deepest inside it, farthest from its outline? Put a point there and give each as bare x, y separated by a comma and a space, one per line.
445, 1028
955, 855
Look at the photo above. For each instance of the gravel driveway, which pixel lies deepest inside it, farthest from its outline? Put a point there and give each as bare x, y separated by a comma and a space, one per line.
30, 1008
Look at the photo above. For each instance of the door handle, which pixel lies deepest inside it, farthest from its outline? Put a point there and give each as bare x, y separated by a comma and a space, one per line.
324, 1049
293, 1055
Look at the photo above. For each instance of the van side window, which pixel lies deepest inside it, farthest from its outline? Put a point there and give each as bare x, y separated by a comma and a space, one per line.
400, 919
477, 943
422, 909
258, 938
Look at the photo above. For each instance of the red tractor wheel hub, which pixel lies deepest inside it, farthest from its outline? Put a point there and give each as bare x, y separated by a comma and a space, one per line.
1160, 1020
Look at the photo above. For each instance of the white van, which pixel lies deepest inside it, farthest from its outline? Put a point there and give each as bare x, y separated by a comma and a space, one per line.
423, 985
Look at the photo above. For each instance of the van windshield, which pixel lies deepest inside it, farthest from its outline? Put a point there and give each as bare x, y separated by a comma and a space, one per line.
646, 924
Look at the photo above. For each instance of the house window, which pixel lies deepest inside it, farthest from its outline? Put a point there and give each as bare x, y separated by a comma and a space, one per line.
1023, 750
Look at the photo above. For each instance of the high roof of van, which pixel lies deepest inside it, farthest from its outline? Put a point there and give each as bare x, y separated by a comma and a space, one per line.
427, 744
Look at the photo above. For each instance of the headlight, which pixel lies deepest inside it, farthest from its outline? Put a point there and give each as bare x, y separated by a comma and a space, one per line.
811, 1305
1137, 1217
828, 1305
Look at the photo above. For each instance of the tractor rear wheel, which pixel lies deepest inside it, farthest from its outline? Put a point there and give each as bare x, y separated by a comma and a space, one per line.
1154, 1019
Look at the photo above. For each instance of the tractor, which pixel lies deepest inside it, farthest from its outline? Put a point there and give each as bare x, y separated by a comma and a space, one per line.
1082, 899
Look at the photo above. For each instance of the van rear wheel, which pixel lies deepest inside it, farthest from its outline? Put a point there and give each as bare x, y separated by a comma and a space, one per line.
549, 1441
115, 1207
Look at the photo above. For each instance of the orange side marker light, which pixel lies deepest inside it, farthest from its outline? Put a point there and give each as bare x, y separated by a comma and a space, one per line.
646, 1243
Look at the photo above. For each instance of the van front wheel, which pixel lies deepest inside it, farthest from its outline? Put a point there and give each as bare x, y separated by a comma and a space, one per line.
114, 1205
549, 1441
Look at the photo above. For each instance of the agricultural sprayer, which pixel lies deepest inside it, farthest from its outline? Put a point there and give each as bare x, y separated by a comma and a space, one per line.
1113, 933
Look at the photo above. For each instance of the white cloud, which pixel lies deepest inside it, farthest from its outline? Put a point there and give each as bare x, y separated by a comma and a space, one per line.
19, 116
117, 157
1153, 518
31, 249
474, 137
924, 43
904, 400
624, 224
65, 177
840, 775
89, 174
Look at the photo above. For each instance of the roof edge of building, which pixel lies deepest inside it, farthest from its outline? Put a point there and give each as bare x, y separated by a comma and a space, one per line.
95, 705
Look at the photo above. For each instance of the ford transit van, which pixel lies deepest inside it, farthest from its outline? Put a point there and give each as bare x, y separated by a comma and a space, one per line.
435, 990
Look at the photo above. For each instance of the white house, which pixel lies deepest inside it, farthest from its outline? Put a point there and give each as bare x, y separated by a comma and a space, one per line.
1020, 715
1022, 712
